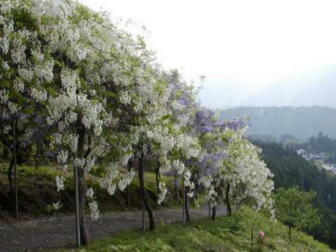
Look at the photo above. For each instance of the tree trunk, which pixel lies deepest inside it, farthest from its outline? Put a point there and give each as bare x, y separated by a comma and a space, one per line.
290, 233
183, 203
129, 186
144, 193
213, 213
129, 196
176, 188
209, 210
10, 174
143, 216
196, 185
187, 201
77, 225
227, 199
37, 156
14, 167
84, 235
157, 178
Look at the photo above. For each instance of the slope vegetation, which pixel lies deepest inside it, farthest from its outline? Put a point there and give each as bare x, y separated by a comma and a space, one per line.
224, 234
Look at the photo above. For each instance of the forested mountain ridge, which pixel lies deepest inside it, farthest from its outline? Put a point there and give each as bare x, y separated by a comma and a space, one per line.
290, 170
300, 122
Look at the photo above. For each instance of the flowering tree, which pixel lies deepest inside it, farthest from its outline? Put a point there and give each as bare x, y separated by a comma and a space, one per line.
21, 76
183, 107
167, 144
248, 178
213, 155
86, 74
99, 95
231, 166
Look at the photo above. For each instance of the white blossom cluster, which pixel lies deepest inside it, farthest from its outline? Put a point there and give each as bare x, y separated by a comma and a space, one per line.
188, 145
163, 191
94, 211
3, 96
89, 193
126, 180
57, 205
187, 183
116, 178
62, 159
38, 95
176, 143
179, 167
60, 183
93, 205
253, 173
247, 174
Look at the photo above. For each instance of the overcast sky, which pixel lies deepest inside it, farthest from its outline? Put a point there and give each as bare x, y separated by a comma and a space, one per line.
240, 46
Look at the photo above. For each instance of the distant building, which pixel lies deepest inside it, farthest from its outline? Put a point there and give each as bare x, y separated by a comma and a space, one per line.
330, 167
301, 152
317, 157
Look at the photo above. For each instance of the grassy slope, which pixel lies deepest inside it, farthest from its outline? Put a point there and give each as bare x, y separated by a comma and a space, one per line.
37, 188
224, 234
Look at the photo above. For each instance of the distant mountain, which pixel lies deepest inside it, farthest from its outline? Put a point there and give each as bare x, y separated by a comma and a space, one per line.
299, 122
318, 92
306, 89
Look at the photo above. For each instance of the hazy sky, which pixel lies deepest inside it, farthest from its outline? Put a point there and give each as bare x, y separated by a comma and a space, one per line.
240, 46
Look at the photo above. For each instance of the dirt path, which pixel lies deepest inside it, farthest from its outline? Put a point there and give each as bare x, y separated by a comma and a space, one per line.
59, 231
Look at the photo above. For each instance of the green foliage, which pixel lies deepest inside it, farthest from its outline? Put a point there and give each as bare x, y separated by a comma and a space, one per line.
23, 19
207, 235
290, 170
294, 208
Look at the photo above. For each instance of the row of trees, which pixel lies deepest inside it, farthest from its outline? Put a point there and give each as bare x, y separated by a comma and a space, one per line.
94, 95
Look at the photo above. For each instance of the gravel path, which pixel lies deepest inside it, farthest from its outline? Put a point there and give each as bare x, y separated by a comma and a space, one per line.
59, 231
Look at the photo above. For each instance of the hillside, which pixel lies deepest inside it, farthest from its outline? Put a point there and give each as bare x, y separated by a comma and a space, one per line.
300, 122
224, 234
37, 191
290, 170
